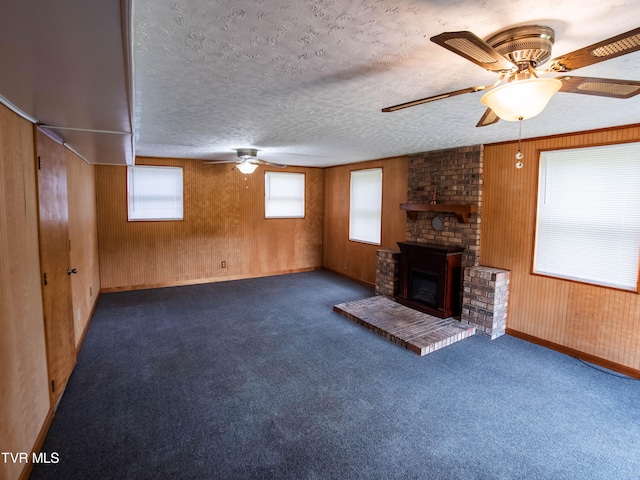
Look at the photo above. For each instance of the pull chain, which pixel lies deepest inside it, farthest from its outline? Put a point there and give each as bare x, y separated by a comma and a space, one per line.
519, 155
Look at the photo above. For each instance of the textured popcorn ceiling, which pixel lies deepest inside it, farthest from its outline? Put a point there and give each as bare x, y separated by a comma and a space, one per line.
304, 81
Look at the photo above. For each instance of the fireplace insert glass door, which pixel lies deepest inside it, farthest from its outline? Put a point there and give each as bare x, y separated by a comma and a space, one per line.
424, 287
429, 278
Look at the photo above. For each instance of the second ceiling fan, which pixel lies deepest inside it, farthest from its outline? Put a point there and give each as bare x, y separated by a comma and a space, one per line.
247, 161
515, 54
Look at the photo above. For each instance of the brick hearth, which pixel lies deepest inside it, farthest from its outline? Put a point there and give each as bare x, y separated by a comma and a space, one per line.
416, 331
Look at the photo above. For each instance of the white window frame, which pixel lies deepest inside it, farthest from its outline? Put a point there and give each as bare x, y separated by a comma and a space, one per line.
365, 206
155, 193
284, 194
588, 215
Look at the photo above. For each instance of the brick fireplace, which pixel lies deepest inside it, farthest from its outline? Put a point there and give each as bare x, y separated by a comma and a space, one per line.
456, 177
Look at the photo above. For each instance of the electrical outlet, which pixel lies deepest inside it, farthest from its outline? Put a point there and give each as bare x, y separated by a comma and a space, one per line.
224, 264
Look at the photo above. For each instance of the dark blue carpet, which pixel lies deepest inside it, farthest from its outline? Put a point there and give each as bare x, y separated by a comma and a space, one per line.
261, 379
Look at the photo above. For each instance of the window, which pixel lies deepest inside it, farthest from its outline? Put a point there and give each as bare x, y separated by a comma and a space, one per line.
588, 223
155, 193
283, 195
365, 212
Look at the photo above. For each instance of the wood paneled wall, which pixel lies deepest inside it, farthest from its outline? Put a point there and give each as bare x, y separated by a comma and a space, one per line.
600, 322
83, 236
355, 259
25, 410
223, 221
24, 393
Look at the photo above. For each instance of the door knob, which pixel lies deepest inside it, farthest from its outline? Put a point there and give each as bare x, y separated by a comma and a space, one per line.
71, 270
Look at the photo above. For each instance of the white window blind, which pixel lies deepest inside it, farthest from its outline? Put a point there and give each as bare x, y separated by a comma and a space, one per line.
284, 195
155, 193
365, 212
588, 223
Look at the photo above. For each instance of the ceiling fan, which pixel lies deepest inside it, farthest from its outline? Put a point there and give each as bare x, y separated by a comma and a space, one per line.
248, 161
515, 54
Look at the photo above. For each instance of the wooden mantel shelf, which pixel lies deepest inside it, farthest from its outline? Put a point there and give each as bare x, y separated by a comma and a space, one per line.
462, 212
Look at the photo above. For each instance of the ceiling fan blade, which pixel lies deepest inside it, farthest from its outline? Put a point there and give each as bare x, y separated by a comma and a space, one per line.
598, 52
488, 118
435, 97
271, 164
602, 87
474, 49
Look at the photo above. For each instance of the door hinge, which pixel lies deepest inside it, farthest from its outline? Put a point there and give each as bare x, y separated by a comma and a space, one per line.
53, 385
39, 163
44, 275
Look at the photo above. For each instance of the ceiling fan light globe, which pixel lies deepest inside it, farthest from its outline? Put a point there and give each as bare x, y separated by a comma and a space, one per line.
247, 167
521, 99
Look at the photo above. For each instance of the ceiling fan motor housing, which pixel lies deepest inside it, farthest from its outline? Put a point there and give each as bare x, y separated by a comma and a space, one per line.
525, 46
247, 153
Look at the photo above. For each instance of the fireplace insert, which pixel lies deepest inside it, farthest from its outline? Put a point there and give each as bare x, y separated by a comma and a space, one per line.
423, 287
429, 278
